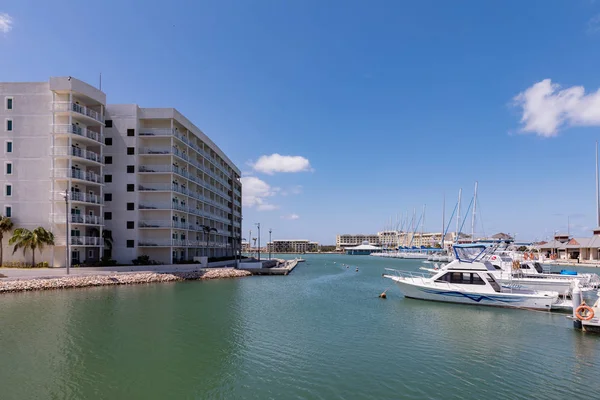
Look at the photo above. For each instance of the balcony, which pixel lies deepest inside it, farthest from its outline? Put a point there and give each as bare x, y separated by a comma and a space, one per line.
66, 129
65, 173
85, 198
155, 224
77, 152
67, 106
85, 241
85, 219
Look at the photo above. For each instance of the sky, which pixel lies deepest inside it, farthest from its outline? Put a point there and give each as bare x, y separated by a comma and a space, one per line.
344, 115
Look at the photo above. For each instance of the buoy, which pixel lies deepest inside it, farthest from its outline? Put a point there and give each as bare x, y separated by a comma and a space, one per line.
356, 269
383, 295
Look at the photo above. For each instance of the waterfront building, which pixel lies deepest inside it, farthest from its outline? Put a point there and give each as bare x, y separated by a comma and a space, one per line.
53, 145
173, 194
139, 181
363, 249
350, 240
292, 246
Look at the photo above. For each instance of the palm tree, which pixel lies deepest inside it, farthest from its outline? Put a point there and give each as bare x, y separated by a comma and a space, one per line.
6, 225
25, 239
106, 237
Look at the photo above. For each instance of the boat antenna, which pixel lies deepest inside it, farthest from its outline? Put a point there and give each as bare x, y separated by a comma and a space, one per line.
474, 212
443, 221
458, 215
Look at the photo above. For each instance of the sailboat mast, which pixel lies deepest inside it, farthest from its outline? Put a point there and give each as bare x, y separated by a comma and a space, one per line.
474, 212
458, 215
423, 222
597, 188
443, 221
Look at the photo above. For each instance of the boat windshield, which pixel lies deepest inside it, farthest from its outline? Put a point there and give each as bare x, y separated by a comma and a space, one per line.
538, 267
469, 254
493, 282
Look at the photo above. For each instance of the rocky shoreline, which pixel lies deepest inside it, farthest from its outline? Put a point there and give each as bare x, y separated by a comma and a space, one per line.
123, 278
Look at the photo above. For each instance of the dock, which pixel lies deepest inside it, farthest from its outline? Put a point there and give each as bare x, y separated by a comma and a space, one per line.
279, 267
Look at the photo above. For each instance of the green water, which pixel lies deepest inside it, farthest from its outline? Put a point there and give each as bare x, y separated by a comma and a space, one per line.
319, 333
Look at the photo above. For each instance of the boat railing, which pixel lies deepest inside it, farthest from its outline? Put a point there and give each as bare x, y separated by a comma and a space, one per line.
425, 278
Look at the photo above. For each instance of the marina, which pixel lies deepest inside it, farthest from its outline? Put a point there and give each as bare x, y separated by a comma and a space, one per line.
302, 336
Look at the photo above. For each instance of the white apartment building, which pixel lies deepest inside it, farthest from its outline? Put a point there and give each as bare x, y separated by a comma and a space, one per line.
292, 246
171, 193
52, 134
155, 179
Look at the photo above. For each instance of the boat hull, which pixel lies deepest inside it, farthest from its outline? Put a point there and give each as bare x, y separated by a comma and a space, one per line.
448, 295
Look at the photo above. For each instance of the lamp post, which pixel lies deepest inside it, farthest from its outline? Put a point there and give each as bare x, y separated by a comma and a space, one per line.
270, 243
258, 227
66, 196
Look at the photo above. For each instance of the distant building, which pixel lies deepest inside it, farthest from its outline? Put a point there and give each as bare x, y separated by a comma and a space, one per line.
292, 246
351, 240
363, 249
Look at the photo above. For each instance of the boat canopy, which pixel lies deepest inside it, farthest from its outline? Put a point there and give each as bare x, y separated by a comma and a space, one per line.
469, 252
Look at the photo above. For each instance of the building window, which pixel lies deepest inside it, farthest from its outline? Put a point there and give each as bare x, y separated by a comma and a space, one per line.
108, 141
130, 151
8, 211
107, 216
130, 169
130, 132
108, 123
8, 168
130, 206
130, 187
8, 190
130, 224
9, 146
9, 125
107, 196
107, 178
130, 243
9, 103
107, 159
90, 253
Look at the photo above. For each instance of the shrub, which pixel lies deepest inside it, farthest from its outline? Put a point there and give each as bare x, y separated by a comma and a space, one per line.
144, 260
43, 264
16, 264
107, 262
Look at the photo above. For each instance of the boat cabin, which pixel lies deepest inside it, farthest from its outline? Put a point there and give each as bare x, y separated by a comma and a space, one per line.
468, 278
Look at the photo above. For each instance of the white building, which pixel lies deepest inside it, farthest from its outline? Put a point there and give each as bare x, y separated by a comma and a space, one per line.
292, 246
53, 142
158, 184
350, 240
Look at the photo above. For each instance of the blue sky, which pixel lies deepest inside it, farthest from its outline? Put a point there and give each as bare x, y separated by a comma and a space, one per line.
385, 105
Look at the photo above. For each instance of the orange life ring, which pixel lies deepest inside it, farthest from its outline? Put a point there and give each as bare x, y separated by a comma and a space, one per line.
584, 307
525, 256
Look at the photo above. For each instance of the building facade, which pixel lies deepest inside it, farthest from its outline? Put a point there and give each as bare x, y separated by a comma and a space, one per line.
175, 194
351, 240
53, 146
292, 246
138, 181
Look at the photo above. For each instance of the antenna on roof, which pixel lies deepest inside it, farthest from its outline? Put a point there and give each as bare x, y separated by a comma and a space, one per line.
100, 81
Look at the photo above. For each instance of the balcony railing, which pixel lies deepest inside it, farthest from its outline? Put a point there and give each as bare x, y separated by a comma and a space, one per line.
85, 197
85, 219
77, 174
85, 241
178, 243
77, 130
77, 152
62, 106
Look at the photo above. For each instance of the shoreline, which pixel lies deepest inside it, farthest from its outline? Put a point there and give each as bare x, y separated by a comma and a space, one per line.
16, 285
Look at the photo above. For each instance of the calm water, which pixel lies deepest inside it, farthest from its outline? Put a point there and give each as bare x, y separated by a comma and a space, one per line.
320, 333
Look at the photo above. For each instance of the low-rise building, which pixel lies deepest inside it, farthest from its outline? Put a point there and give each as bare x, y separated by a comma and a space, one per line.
351, 240
292, 246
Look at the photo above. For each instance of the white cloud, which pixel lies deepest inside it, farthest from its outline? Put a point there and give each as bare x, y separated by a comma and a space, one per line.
291, 216
6, 23
278, 163
293, 190
255, 192
547, 107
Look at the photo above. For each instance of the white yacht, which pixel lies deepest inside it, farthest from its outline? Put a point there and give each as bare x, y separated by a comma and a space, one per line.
470, 280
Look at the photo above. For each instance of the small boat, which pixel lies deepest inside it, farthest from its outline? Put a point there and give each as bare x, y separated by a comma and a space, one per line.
470, 280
